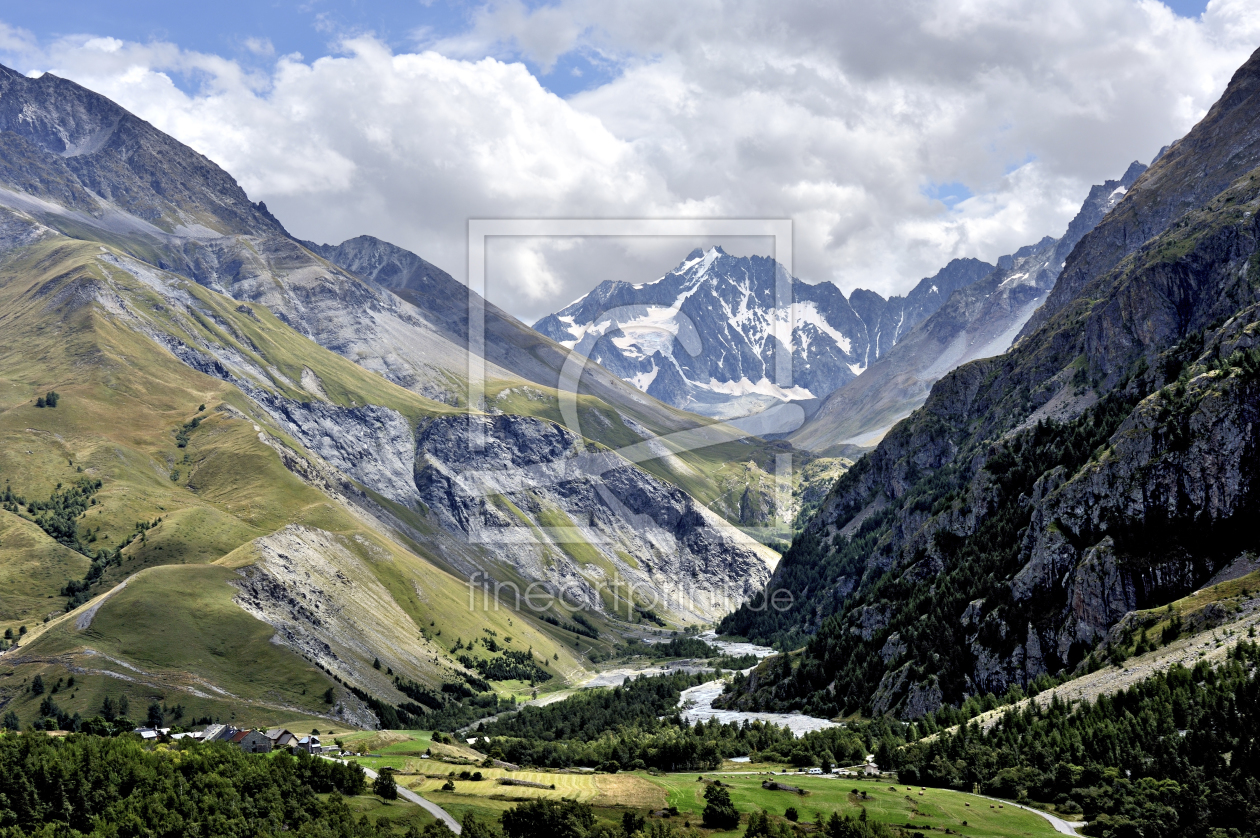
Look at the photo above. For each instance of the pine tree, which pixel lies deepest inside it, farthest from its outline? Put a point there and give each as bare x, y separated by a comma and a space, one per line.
384, 786
156, 716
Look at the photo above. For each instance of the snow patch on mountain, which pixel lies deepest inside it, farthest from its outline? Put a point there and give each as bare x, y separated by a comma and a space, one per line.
706, 337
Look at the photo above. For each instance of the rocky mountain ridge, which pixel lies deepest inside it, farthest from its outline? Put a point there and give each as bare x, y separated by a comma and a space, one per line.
254, 412
1107, 463
704, 337
979, 320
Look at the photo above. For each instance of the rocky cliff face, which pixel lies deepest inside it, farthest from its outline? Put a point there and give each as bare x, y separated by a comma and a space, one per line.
1106, 463
588, 527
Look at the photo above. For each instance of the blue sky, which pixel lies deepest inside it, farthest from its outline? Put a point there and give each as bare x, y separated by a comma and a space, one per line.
234, 28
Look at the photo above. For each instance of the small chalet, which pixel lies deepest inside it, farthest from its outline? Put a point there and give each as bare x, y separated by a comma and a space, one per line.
310, 744
281, 738
252, 741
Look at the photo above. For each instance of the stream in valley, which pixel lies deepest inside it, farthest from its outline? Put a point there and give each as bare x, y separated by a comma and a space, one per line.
697, 702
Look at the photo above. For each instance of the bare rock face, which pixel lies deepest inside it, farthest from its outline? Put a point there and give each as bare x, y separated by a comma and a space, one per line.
869, 620
894, 648
1157, 486
372, 444
319, 593
923, 698
585, 525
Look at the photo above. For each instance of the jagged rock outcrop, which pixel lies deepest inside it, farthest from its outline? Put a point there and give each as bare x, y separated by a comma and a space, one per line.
583, 524
325, 603
373, 444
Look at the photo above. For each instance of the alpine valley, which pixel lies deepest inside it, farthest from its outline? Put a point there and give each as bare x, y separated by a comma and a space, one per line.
996, 531
258, 487
1082, 497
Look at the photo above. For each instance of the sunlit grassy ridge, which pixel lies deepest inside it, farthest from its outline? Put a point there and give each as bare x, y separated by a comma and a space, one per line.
84, 328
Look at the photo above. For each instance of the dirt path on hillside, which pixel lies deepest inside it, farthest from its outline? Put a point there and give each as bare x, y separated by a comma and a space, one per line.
1212, 645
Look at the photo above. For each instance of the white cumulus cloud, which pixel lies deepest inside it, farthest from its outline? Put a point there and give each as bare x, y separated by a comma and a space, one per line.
844, 117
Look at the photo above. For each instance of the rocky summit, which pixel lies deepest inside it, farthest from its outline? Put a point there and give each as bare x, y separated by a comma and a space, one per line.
728, 336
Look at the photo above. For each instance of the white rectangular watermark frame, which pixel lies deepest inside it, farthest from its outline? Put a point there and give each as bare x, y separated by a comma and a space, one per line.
479, 229
778, 229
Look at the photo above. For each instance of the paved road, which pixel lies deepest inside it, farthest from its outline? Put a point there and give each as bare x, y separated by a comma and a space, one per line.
428, 805
1059, 824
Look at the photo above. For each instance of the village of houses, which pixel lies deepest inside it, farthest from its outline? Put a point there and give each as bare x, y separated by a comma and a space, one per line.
250, 741
278, 738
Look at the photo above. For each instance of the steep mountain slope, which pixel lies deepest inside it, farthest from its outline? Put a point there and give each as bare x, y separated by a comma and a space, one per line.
1107, 463
978, 320
83, 166
704, 337
75, 320
238, 440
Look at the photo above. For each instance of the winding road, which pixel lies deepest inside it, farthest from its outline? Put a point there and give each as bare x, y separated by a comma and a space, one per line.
1060, 825
427, 805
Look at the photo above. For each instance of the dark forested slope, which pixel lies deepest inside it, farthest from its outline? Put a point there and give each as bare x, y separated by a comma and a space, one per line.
1175, 755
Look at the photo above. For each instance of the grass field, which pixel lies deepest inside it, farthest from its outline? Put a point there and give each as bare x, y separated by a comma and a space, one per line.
178, 631
884, 803
33, 568
400, 813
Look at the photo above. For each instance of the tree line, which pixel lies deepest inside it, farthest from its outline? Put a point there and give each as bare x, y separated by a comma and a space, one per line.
1177, 755
637, 725
88, 785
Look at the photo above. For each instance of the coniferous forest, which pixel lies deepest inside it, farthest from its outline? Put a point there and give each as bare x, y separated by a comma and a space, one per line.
1175, 755
93, 785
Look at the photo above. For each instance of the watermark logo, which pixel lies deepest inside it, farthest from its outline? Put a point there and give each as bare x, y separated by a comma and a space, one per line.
627, 598
606, 589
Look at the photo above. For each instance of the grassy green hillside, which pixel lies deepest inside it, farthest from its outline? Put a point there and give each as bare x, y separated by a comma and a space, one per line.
164, 514
936, 809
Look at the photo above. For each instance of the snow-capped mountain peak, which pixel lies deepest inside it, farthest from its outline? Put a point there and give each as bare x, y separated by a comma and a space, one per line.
705, 336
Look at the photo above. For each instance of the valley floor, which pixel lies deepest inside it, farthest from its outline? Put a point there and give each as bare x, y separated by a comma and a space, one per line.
611, 794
